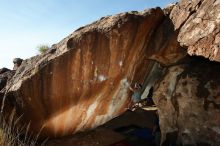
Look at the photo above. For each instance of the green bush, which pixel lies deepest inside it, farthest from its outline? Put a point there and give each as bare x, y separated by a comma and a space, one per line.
43, 48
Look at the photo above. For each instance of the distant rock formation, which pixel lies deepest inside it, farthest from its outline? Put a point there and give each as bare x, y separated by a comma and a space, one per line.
17, 62
83, 81
5, 75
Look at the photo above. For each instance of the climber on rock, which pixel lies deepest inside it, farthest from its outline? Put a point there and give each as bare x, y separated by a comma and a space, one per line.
136, 96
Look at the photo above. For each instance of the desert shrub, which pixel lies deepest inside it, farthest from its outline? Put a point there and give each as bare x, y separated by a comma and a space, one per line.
42, 48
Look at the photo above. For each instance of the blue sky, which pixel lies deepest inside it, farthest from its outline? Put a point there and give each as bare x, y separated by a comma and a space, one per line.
25, 24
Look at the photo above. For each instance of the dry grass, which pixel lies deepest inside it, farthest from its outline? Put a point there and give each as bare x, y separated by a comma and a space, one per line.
11, 134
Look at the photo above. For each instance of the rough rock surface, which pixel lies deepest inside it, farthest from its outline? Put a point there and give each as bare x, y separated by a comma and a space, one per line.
17, 62
199, 24
84, 80
188, 100
5, 76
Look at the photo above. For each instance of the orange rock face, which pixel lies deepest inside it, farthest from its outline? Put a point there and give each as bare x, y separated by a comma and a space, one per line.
84, 80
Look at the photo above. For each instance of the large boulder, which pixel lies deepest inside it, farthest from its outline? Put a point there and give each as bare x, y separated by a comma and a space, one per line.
84, 80
188, 101
187, 95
